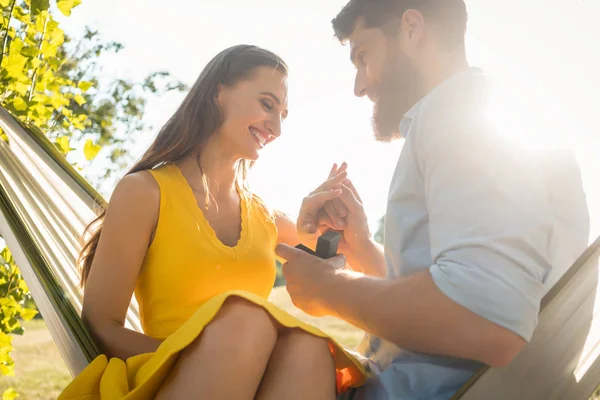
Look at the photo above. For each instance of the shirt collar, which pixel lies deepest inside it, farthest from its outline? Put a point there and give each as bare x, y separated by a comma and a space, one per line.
409, 117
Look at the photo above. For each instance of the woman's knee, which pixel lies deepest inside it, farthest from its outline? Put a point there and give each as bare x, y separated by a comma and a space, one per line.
238, 325
244, 317
305, 347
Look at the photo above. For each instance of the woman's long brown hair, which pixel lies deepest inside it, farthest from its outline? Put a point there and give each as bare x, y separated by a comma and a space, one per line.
196, 119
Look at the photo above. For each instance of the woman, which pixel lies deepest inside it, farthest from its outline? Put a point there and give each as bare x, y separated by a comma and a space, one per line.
183, 232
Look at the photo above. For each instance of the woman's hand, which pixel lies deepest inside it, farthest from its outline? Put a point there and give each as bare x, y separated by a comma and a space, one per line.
342, 212
312, 218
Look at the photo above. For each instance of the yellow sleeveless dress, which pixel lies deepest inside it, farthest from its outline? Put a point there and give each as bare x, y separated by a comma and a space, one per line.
186, 277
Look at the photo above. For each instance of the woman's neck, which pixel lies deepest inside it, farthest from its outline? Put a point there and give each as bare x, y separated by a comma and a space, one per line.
219, 168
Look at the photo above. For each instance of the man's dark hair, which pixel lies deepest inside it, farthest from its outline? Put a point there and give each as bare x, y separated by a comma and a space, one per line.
449, 15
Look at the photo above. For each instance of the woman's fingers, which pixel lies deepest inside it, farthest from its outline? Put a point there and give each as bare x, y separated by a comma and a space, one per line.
311, 207
332, 183
335, 170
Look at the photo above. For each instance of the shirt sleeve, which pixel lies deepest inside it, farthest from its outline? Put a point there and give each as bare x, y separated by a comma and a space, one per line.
490, 222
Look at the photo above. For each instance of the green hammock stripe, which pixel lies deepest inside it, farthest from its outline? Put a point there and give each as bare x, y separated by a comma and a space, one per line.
42, 270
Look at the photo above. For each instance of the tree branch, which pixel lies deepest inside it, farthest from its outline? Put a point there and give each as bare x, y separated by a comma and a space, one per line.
8, 18
34, 76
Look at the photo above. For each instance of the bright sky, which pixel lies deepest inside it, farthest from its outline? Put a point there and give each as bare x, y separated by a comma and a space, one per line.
547, 45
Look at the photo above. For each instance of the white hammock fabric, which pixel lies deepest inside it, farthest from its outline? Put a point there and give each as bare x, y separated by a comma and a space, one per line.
45, 208
45, 205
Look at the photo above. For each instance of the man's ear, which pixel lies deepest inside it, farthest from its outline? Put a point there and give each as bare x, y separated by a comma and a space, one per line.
412, 30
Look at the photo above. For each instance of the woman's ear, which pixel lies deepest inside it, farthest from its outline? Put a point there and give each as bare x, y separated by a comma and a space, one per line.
220, 94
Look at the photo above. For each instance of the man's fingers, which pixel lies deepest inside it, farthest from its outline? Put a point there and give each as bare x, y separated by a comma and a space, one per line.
334, 215
325, 221
340, 207
339, 260
350, 185
309, 227
350, 200
288, 252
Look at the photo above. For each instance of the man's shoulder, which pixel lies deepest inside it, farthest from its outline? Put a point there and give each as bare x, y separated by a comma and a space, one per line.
459, 96
457, 111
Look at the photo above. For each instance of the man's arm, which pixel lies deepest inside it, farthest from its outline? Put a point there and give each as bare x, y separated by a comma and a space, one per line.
368, 259
490, 227
413, 313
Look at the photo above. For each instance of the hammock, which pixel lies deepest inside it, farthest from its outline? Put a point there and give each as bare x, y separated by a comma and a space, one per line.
45, 205
44, 208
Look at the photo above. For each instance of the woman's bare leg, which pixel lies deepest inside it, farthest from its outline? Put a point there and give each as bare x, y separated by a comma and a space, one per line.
229, 358
301, 367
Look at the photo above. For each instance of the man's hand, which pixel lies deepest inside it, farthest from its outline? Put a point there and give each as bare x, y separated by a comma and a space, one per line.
346, 213
342, 211
311, 211
308, 278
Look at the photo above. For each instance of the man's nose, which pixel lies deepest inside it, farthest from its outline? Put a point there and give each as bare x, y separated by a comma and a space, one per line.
360, 87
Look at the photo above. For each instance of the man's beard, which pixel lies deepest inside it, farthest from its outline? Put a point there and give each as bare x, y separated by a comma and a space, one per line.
399, 89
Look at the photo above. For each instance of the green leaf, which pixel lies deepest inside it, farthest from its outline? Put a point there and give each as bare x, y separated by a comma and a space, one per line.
65, 6
21, 88
7, 368
51, 25
41, 110
80, 121
90, 150
40, 98
6, 255
36, 62
10, 394
40, 21
29, 51
57, 37
15, 62
19, 104
49, 50
23, 286
58, 100
84, 86
79, 99
63, 144
28, 314
18, 331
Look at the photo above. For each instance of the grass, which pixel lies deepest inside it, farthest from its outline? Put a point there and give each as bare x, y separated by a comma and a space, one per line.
41, 373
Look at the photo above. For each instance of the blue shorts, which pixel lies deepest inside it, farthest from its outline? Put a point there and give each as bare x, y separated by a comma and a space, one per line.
350, 394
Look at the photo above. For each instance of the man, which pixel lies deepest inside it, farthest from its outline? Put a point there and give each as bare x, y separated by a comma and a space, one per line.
475, 232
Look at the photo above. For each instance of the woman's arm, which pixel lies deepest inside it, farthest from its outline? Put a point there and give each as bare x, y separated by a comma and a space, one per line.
129, 225
286, 231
